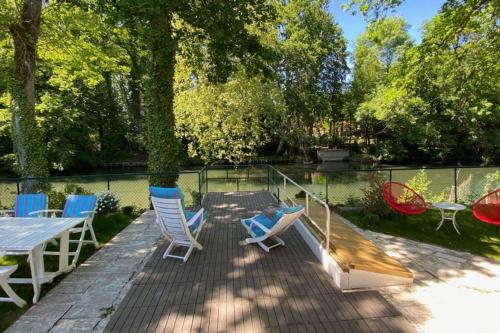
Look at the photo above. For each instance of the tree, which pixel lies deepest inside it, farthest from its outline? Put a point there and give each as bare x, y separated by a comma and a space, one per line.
23, 20
222, 31
311, 66
227, 121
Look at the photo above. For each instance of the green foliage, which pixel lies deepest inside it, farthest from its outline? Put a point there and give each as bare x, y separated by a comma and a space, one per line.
57, 199
107, 202
197, 198
492, 181
229, 121
420, 183
373, 9
373, 201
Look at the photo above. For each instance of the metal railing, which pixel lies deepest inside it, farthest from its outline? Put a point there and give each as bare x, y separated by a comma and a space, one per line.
308, 196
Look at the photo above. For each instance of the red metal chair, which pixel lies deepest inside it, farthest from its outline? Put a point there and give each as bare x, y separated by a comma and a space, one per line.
403, 199
487, 208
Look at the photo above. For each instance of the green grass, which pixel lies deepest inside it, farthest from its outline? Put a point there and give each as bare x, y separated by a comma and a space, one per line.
105, 227
476, 237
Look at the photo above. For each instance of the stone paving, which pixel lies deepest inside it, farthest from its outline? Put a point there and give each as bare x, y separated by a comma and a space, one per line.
85, 299
453, 291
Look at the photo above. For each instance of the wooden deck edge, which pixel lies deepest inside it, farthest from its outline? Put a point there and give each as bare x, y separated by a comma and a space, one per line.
350, 277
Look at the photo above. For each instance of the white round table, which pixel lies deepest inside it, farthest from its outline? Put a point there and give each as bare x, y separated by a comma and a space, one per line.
453, 207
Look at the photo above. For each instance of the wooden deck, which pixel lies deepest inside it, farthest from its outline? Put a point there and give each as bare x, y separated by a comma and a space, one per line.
233, 287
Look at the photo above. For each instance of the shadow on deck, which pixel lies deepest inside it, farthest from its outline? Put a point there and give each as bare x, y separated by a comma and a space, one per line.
230, 286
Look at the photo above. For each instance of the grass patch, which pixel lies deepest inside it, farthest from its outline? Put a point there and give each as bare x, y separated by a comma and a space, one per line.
476, 237
105, 227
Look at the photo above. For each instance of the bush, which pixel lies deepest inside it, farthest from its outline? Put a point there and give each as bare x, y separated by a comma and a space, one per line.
352, 201
107, 202
420, 183
128, 210
58, 198
373, 201
197, 197
300, 195
492, 181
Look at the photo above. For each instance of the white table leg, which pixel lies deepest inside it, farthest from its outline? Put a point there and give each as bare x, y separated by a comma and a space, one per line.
454, 222
37, 270
64, 252
442, 219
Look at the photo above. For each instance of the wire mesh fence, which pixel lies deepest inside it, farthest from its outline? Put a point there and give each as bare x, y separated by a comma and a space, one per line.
460, 184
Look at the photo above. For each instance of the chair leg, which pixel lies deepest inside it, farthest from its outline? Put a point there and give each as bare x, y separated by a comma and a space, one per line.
92, 234
188, 253
168, 250
13, 297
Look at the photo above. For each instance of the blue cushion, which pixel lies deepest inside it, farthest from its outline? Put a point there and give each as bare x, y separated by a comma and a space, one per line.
286, 210
189, 214
262, 219
167, 193
266, 222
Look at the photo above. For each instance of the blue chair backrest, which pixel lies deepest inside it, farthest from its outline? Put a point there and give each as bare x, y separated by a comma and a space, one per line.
167, 193
286, 210
28, 203
76, 204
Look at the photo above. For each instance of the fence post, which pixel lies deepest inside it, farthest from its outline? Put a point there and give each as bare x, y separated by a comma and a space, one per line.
17, 186
206, 179
237, 184
199, 182
455, 183
326, 189
390, 175
278, 194
107, 179
268, 180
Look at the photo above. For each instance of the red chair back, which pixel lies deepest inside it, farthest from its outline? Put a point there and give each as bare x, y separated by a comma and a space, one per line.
487, 208
403, 199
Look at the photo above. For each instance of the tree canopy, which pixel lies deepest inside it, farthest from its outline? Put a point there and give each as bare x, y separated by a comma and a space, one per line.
88, 82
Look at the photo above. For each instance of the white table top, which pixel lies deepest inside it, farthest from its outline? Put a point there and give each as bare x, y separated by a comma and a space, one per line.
448, 205
23, 234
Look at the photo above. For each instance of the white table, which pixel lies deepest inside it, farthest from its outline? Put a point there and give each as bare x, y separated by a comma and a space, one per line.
453, 207
27, 236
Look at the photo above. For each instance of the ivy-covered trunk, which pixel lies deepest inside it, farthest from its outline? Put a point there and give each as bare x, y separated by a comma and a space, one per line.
27, 136
163, 147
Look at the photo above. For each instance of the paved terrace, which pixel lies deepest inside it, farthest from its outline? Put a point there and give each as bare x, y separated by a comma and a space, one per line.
230, 286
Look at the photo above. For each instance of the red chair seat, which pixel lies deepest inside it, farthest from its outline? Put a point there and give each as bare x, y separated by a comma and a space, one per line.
403, 199
487, 208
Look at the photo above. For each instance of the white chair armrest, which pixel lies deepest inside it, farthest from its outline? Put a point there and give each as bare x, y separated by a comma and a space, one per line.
89, 213
46, 211
195, 217
256, 223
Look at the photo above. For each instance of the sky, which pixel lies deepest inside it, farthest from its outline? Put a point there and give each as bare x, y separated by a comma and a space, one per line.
415, 12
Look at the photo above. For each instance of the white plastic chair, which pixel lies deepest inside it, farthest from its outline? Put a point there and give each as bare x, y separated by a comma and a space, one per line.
261, 228
5, 272
173, 224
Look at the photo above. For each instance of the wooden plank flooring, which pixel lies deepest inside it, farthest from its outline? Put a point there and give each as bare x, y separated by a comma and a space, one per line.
352, 250
234, 287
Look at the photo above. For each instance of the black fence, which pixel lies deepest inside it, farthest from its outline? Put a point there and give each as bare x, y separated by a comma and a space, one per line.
458, 184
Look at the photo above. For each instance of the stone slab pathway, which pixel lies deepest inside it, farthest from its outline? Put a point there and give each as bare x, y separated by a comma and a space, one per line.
85, 299
453, 291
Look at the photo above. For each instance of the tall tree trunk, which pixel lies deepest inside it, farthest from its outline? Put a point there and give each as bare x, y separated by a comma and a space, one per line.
27, 136
163, 147
134, 83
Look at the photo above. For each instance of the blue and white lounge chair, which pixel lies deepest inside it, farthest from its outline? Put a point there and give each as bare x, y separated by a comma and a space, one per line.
181, 227
77, 205
26, 204
261, 228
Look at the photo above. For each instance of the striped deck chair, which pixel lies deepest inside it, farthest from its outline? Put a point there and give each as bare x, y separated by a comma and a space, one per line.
26, 204
181, 227
261, 228
77, 205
